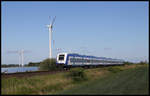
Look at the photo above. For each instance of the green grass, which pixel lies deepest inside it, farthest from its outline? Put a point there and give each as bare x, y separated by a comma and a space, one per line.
130, 81
34, 85
110, 80
43, 84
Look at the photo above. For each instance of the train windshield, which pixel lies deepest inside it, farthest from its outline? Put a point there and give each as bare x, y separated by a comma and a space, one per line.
61, 57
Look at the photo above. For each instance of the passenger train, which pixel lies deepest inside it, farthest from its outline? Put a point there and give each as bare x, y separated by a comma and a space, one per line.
74, 59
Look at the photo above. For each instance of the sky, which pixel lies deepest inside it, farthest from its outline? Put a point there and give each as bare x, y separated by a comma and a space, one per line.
105, 29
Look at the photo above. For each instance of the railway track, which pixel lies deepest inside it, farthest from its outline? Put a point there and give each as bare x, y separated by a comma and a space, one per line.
34, 73
29, 74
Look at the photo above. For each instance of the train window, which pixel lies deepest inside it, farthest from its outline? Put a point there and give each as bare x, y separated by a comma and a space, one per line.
88, 61
75, 60
72, 60
61, 57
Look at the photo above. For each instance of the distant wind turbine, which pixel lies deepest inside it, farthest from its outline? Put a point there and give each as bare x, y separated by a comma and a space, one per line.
21, 55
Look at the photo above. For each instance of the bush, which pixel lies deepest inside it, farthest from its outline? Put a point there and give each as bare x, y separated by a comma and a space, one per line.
142, 62
128, 63
77, 74
48, 64
115, 69
33, 64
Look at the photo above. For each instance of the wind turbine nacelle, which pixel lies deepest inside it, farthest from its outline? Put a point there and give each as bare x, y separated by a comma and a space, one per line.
49, 26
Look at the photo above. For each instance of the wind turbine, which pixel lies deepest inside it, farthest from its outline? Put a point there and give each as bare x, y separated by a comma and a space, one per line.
21, 55
19, 58
22, 63
50, 27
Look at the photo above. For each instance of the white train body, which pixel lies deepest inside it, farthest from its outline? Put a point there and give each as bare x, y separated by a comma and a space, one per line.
72, 59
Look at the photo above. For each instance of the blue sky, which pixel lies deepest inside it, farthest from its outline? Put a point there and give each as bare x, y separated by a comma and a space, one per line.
107, 29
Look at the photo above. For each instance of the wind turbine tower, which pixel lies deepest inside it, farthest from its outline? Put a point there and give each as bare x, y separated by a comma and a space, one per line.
50, 27
22, 51
19, 58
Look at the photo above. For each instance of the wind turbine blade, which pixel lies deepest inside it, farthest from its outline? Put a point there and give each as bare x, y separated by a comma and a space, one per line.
49, 19
53, 20
12, 52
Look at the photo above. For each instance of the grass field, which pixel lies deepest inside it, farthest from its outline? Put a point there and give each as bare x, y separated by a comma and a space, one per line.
43, 84
128, 79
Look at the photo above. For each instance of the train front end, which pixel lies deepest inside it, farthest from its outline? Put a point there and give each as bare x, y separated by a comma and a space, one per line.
61, 59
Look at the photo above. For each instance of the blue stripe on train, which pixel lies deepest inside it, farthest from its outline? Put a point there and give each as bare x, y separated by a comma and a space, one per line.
77, 55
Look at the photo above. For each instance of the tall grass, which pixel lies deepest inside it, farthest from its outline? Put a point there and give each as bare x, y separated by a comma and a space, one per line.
128, 82
34, 85
115, 69
77, 74
54, 83
46, 84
